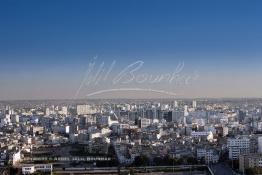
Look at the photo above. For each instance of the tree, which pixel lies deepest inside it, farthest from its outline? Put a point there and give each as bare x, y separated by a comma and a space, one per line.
141, 160
158, 161
191, 160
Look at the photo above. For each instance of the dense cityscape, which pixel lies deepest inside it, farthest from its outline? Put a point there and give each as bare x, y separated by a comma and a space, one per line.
130, 87
105, 135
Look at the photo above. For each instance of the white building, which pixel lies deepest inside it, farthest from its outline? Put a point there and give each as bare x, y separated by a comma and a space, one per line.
194, 104
67, 129
47, 112
64, 110
15, 118
209, 155
85, 109
32, 168
175, 104
16, 158
95, 135
237, 146
225, 131
144, 122
186, 111
207, 134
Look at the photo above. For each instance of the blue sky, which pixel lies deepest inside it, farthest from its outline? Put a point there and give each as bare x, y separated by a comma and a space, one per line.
46, 45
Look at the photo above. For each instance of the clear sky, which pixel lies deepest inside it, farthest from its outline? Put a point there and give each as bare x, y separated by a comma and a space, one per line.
46, 46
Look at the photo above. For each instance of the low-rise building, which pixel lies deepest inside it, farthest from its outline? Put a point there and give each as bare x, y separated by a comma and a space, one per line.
249, 161
208, 154
32, 168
